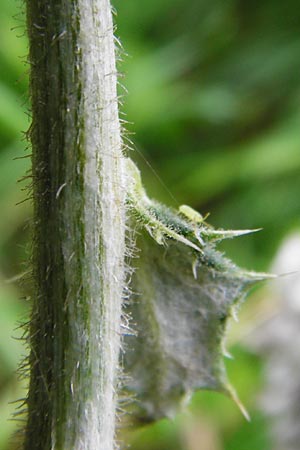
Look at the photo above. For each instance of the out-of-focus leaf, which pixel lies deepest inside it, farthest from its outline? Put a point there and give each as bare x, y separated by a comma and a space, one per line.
14, 166
272, 155
11, 347
12, 118
14, 390
13, 49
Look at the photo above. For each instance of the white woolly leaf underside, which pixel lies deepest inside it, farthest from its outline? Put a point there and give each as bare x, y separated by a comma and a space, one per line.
184, 291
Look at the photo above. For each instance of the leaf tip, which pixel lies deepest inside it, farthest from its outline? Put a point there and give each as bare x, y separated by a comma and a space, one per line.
233, 395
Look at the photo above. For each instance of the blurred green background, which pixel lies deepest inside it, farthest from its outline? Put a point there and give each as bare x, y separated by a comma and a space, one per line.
213, 115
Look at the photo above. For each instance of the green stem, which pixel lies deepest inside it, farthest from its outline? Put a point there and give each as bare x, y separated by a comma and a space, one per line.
79, 226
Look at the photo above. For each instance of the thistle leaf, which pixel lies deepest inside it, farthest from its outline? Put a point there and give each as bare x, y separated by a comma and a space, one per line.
184, 293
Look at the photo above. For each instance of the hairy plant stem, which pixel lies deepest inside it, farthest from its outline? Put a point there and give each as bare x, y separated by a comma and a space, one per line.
79, 226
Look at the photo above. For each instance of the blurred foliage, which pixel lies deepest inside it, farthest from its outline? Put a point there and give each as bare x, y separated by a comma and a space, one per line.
214, 109
214, 105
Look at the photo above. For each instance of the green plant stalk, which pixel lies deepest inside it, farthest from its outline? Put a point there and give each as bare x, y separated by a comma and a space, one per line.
79, 226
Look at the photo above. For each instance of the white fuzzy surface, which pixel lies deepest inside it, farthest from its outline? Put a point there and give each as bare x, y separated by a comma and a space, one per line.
104, 248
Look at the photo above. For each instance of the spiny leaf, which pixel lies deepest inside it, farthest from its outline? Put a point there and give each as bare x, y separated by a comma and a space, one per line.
184, 293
